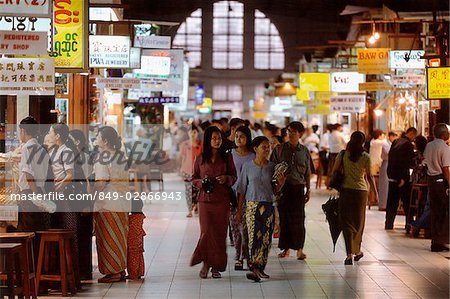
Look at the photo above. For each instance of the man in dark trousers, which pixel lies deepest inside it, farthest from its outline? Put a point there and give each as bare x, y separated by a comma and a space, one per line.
437, 159
400, 161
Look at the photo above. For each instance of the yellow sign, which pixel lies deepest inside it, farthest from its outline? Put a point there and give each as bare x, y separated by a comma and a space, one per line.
322, 109
302, 95
70, 48
375, 86
315, 81
373, 61
323, 97
438, 83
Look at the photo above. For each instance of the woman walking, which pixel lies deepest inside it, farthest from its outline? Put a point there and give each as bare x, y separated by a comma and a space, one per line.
255, 189
111, 216
242, 154
214, 174
354, 194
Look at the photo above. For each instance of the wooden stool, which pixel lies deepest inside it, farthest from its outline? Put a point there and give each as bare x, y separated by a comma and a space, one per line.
416, 202
69, 276
11, 264
29, 276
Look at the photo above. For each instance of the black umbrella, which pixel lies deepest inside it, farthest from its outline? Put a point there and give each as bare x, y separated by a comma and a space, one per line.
330, 208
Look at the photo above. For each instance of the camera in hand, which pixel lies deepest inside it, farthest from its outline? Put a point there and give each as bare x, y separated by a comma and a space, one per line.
208, 185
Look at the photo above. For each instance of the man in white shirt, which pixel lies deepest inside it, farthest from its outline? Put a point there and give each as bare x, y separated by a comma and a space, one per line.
437, 159
337, 143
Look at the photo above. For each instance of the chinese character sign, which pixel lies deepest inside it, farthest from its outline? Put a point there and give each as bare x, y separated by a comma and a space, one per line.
438, 83
109, 51
159, 100
27, 76
30, 8
373, 61
348, 103
69, 44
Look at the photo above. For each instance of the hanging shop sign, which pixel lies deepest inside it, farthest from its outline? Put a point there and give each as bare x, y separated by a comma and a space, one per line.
70, 38
27, 76
315, 81
346, 81
159, 100
118, 83
152, 42
348, 103
375, 86
414, 79
30, 8
25, 24
323, 97
438, 83
320, 109
373, 61
107, 51
135, 58
155, 65
406, 59
23, 42
302, 95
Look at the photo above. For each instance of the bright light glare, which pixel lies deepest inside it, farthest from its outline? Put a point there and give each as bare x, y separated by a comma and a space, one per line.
372, 40
378, 112
376, 35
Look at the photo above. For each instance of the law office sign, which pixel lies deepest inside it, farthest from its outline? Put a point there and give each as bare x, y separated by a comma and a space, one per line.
107, 51
23, 42
27, 76
30, 8
373, 61
348, 103
438, 83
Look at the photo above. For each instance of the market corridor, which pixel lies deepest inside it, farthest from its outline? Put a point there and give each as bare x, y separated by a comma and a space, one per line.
394, 266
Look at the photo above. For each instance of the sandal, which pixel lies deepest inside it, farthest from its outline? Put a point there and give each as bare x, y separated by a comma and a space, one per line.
189, 215
262, 274
301, 257
358, 256
283, 254
253, 276
238, 266
215, 274
110, 278
204, 272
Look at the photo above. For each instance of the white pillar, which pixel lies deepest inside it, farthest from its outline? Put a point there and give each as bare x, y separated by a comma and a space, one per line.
23, 109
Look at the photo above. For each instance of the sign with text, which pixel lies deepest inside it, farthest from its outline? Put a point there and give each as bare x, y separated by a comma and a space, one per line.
438, 83
27, 76
415, 79
406, 59
70, 34
23, 42
315, 81
159, 100
373, 61
155, 65
320, 109
375, 86
135, 58
348, 103
118, 83
346, 81
31, 8
152, 42
107, 51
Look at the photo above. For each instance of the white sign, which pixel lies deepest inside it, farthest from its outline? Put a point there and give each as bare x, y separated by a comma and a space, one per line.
118, 83
30, 8
109, 51
415, 79
22, 42
27, 76
406, 60
135, 58
135, 94
152, 42
348, 103
155, 65
346, 81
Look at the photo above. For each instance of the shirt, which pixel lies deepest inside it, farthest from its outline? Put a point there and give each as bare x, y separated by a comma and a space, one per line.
324, 146
298, 159
239, 161
437, 156
34, 161
376, 147
400, 160
355, 172
256, 182
188, 153
62, 160
336, 142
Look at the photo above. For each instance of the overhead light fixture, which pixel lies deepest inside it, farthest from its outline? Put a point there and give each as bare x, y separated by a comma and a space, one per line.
378, 112
372, 40
375, 35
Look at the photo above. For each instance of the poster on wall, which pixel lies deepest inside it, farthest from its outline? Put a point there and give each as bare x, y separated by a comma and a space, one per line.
107, 51
70, 36
31, 8
438, 83
27, 76
348, 103
373, 61
23, 42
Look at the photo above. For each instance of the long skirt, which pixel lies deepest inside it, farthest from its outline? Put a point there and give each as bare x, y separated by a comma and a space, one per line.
240, 236
352, 217
260, 222
211, 247
111, 231
292, 217
135, 255
383, 186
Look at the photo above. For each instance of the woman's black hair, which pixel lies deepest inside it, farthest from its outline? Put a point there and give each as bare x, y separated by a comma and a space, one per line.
421, 143
248, 134
279, 138
109, 134
258, 140
62, 130
79, 135
356, 145
194, 128
377, 133
207, 149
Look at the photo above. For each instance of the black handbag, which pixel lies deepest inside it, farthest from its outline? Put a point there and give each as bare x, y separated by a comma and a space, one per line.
233, 198
337, 178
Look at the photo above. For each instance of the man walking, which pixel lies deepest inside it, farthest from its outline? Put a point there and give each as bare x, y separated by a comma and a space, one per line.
437, 159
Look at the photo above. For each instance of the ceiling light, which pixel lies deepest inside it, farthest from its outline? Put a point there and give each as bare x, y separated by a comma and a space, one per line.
372, 40
376, 35
401, 100
378, 112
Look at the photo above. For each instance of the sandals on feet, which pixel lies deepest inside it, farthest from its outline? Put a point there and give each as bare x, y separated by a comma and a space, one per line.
358, 256
283, 254
215, 274
238, 266
253, 276
301, 257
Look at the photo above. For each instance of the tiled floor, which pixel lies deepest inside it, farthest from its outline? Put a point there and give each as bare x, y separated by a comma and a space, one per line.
394, 266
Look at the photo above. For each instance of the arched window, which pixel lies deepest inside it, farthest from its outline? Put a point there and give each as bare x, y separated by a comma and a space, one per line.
189, 37
269, 50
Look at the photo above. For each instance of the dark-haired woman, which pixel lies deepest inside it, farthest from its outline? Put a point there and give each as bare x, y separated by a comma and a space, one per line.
256, 191
214, 174
241, 154
354, 194
111, 216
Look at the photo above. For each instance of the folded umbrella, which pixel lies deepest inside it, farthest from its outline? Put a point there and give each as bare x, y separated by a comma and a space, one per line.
330, 208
